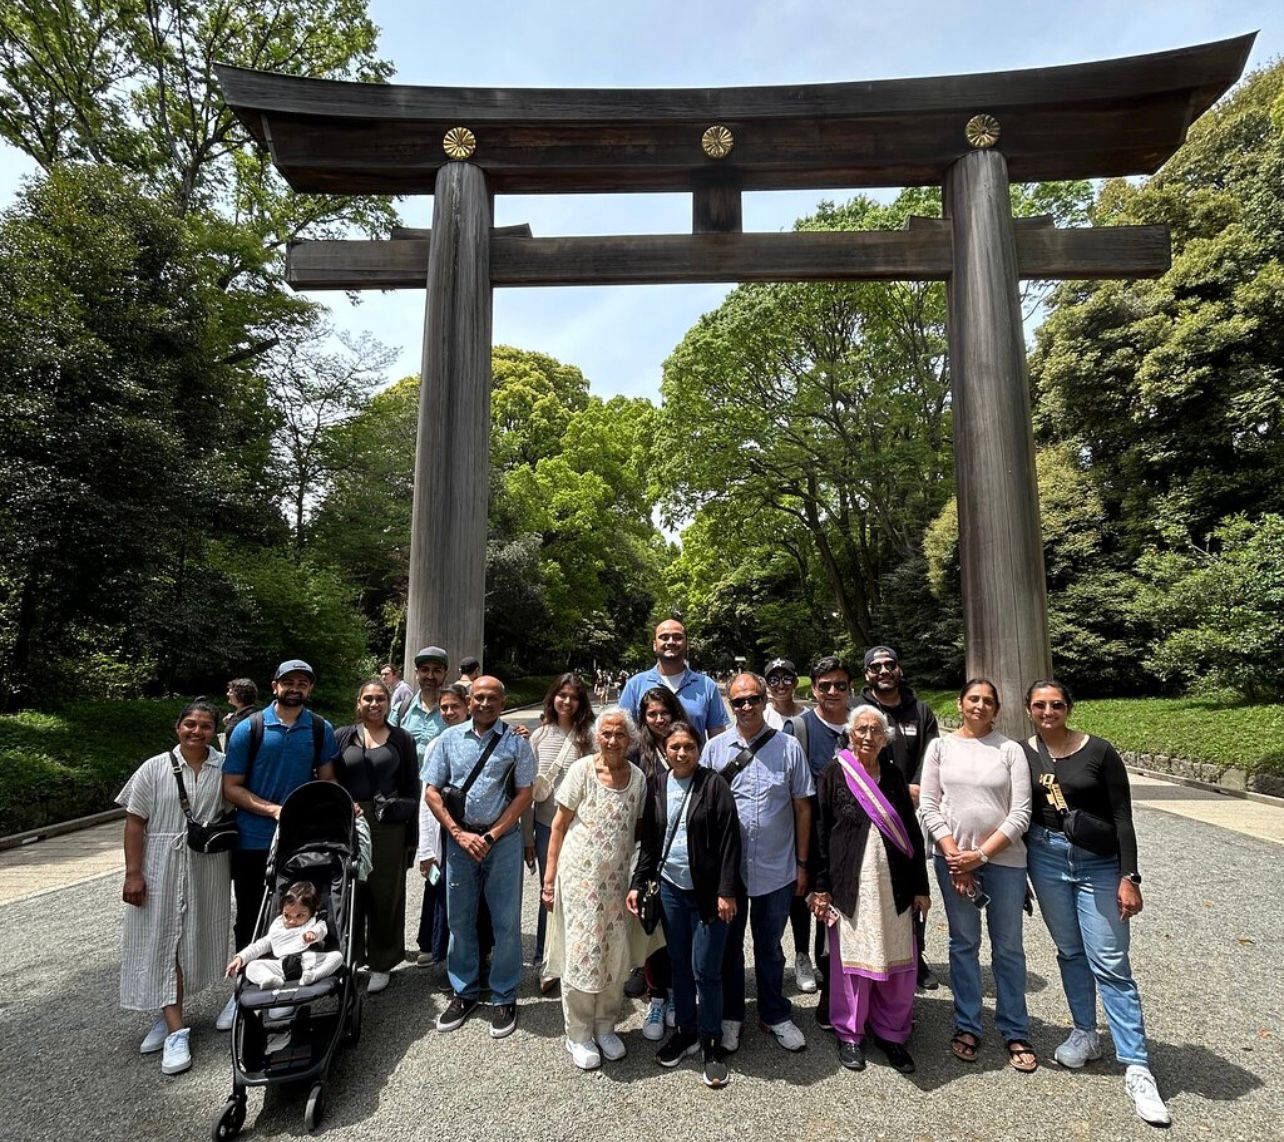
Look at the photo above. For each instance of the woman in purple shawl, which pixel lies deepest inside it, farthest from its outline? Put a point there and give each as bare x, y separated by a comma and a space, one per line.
872, 877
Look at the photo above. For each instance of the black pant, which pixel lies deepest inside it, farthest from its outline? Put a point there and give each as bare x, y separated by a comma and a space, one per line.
249, 866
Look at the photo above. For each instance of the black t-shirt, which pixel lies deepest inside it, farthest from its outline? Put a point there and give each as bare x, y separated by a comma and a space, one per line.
1093, 779
915, 726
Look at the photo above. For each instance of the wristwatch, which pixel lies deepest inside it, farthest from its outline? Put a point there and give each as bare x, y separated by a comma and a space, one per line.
488, 839
981, 853
1135, 877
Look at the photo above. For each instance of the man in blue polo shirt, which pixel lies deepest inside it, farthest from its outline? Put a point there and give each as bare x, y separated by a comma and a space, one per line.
483, 852
287, 757
697, 692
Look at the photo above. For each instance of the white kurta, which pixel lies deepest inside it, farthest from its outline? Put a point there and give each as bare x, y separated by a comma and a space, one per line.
187, 913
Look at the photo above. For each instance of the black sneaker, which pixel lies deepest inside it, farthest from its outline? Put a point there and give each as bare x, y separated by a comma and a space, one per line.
851, 1056
635, 985
681, 1044
716, 1072
503, 1020
927, 980
897, 1056
457, 1010
822, 1013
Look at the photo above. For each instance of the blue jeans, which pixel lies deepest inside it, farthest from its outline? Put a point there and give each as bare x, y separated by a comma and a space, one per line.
1077, 893
542, 834
1006, 889
766, 917
695, 953
499, 879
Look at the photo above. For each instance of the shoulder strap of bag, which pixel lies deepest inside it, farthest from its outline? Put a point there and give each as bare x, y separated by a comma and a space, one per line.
677, 820
798, 723
318, 741
256, 740
485, 757
176, 769
403, 708
731, 770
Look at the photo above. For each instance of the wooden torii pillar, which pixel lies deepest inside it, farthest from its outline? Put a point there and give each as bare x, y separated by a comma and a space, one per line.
464, 145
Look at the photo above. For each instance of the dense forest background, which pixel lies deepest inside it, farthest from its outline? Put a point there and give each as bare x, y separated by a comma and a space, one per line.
198, 475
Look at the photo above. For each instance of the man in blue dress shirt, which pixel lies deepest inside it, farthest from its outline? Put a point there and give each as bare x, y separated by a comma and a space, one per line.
772, 786
483, 853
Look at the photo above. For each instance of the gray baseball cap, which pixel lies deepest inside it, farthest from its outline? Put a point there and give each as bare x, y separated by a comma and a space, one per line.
431, 654
294, 666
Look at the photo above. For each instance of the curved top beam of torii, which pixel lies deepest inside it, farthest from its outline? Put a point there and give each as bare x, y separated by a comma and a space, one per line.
1089, 120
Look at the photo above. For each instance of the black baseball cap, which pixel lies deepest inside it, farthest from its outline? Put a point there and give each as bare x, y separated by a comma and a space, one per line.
880, 652
780, 666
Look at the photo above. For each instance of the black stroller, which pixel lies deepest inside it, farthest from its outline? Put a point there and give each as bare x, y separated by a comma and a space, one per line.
289, 1034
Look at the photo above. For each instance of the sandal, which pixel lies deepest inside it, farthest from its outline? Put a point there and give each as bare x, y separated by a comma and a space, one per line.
1017, 1048
965, 1045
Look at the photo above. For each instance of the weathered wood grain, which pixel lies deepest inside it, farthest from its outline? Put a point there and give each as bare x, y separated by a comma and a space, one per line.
1005, 607
716, 210
447, 595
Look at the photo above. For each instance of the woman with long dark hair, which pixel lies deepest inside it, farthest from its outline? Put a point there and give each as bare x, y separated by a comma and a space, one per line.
1084, 872
564, 736
658, 710
376, 758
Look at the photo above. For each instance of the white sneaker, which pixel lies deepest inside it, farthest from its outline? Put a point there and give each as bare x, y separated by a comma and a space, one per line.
178, 1054
653, 1024
1081, 1047
584, 1055
1141, 1088
611, 1046
788, 1035
730, 1035
804, 973
154, 1040
224, 1020
377, 982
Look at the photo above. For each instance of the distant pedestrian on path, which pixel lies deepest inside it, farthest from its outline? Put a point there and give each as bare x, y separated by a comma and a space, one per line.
398, 688
243, 697
697, 692
175, 939
1084, 872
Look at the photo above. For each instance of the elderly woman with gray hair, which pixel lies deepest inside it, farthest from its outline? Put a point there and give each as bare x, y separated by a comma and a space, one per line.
593, 940
871, 878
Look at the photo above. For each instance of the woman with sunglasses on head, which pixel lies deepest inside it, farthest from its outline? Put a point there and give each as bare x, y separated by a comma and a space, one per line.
657, 712
974, 802
1083, 866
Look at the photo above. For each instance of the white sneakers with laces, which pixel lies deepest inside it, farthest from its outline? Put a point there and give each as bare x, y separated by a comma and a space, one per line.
1141, 1088
1081, 1047
788, 1035
730, 1041
653, 1024
584, 1055
178, 1052
804, 973
611, 1046
154, 1040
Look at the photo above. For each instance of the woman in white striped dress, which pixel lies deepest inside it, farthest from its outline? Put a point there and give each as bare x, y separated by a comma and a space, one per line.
176, 928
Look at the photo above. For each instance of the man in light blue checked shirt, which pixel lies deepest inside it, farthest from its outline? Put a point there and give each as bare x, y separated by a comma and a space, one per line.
772, 790
483, 853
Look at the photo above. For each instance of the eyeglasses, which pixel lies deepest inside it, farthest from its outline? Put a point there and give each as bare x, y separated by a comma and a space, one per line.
882, 667
868, 732
782, 680
1055, 704
833, 687
746, 701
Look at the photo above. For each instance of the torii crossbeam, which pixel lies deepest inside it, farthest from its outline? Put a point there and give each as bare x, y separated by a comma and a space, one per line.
969, 134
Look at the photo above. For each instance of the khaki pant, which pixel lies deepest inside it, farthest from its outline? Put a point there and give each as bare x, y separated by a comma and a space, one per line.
589, 1014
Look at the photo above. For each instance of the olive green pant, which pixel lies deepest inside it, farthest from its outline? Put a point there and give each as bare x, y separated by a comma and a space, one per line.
380, 939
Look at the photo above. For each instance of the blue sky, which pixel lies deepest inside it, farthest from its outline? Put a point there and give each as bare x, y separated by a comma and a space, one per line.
619, 336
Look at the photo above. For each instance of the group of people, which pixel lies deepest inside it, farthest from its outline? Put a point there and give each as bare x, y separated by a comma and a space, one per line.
665, 835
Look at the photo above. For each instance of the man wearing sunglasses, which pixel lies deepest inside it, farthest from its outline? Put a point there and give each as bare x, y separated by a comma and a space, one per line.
772, 787
915, 725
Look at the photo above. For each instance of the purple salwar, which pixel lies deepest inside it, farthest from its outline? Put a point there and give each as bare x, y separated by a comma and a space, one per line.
857, 1001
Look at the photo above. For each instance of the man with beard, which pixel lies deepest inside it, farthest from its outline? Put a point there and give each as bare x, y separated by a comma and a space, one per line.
698, 693
915, 726
269, 755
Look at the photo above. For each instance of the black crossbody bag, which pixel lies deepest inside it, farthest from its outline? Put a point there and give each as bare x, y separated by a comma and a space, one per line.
1081, 828
731, 770
455, 797
216, 836
389, 808
649, 897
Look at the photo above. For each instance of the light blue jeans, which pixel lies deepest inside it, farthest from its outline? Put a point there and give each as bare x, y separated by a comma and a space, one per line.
1005, 887
499, 878
1078, 896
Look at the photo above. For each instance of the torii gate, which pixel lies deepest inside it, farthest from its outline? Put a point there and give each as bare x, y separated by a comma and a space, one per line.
970, 134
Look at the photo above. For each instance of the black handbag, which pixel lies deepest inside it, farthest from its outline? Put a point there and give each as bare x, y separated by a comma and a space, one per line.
649, 894
1081, 828
216, 836
455, 797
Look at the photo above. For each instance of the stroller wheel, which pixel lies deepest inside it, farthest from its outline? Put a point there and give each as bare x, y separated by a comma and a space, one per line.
315, 1109
230, 1120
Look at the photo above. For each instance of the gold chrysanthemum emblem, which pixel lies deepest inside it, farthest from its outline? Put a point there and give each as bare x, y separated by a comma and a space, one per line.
982, 131
717, 141
459, 143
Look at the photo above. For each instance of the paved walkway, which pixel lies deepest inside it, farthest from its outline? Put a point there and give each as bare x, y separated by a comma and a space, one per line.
1205, 952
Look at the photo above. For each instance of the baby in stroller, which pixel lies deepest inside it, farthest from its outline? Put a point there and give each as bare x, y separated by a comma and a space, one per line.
291, 949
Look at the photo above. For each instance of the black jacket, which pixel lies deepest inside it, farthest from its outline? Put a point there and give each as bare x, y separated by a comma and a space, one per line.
404, 782
844, 830
915, 726
713, 838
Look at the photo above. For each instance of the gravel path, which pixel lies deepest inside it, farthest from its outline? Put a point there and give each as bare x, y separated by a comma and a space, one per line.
1206, 954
